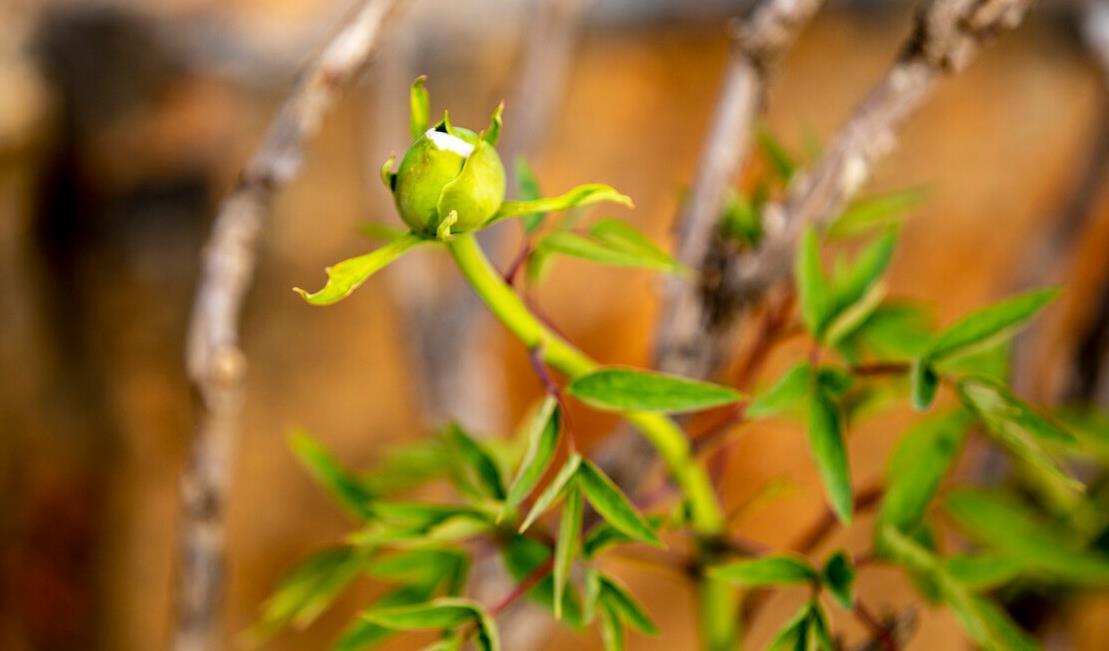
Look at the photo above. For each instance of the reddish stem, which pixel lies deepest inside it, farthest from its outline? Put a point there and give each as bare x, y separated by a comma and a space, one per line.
529, 582
877, 629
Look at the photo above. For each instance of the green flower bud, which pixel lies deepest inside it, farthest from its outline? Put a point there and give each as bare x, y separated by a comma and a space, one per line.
451, 180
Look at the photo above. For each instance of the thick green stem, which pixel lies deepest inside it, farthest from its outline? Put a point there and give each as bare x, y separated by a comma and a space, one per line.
663, 433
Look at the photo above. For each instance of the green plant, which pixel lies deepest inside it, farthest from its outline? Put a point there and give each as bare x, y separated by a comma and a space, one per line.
866, 352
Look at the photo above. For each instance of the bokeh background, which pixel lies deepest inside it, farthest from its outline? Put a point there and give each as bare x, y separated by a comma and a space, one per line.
123, 123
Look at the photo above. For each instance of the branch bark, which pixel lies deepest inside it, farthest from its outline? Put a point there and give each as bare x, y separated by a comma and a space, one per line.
215, 364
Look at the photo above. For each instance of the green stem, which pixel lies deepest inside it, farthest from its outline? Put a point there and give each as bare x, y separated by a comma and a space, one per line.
663, 433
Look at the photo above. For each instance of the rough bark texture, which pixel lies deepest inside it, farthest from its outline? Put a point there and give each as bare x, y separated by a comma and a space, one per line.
215, 363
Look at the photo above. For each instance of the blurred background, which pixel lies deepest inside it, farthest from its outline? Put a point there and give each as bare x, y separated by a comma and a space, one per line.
123, 123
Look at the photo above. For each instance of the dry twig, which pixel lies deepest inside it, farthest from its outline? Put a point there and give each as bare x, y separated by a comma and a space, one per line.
215, 364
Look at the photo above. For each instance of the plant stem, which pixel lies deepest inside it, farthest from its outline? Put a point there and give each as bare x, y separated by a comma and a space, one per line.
663, 433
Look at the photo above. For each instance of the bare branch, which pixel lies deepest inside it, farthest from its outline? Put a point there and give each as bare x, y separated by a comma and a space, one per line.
215, 364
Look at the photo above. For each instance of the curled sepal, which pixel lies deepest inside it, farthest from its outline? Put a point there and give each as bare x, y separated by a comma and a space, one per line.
443, 231
344, 277
493, 131
388, 175
583, 195
420, 102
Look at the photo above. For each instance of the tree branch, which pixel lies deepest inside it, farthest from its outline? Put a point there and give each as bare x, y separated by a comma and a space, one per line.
215, 364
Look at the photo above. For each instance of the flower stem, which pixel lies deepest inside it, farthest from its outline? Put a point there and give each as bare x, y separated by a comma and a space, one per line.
663, 433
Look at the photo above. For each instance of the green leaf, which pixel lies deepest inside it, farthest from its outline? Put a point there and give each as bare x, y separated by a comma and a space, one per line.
613, 506
1014, 531
484, 467
781, 161
986, 326
569, 535
830, 452
893, 331
592, 594
878, 211
522, 556
347, 489
813, 289
794, 635
982, 573
768, 570
918, 465
493, 132
424, 566
858, 290
1018, 429
1009, 636
528, 191
839, 576
307, 590
553, 491
621, 236
741, 219
625, 389
344, 277
542, 437
925, 383
579, 246
612, 630
618, 598
819, 635
407, 466
583, 195
604, 535
439, 614
361, 633
785, 395
419, 101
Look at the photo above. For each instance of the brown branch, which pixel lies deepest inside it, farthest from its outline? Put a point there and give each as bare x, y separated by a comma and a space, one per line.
880, 632
816, 534
215, 364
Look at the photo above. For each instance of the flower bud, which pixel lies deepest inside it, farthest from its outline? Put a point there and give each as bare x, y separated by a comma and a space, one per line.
451, 180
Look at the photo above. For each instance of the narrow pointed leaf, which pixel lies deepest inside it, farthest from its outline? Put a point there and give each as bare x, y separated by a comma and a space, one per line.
553, 490
579, 246
522, 556
479, 460
987, 325
307, 590
924, 384
493, 132
420, 104
813, 289
918, 465
542, 436
614, 595
874, 212
347, 489
829, 450
982, 573
621, 236
778, 569
344, 277
794, 635
781, 161
613, 506
1016, 532
592, 594
625, 389
839, 576
439, 614
569, 538
819, 634
528, 188
362, 634
612, 629
583, 195
604, 535
788, 393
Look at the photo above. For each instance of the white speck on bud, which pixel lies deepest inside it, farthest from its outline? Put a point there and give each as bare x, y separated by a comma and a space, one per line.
447, 142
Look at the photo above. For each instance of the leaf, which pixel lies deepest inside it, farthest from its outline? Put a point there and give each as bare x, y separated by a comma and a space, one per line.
569, 535
522, 556
1001, 627
493, 132
858, 291
612, 630
925, 383
529, 191
893, 331
424, 566
362, 633
1017, 428
351, 493
592, 594
982, 573
813, 289
621, 236
542, 437
1014, 531
625, 389
615, 596
830, 453
344, 277
839, 576
777, 569
419, 101
579, 246
918, 465
553, 491
819, 635
407, 466
479, 459
307, 590
583, 195
794, 635
604, 535
785, 395
878, 211
439, 614
781, 161
613, 506
988, 325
